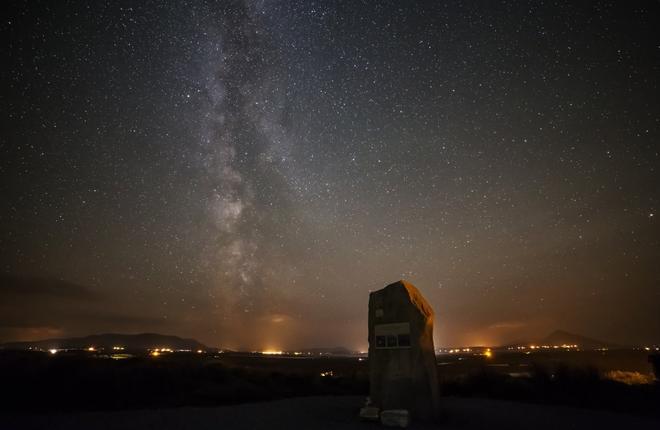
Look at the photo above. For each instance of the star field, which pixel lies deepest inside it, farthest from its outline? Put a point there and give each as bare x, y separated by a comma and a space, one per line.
246, 172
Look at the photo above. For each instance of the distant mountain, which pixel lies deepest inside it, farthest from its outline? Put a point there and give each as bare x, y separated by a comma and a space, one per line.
561, 337
108, 340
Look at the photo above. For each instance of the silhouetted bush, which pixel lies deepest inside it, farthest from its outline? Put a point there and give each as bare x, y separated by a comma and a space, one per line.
564, 385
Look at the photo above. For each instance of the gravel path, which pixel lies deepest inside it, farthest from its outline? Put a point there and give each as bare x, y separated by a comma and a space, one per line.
329, 413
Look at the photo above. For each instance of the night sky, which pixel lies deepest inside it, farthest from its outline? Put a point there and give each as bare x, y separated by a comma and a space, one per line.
246, 172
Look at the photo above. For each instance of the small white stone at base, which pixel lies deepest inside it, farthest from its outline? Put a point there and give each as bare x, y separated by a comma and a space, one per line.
369, 413
395, 418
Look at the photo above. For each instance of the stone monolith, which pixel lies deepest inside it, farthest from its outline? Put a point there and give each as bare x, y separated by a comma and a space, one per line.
402, 365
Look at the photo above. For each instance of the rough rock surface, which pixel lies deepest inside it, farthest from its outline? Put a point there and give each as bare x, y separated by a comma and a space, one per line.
402, 365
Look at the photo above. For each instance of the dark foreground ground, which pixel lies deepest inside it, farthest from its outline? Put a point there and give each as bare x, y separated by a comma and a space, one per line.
331, 413
242, 391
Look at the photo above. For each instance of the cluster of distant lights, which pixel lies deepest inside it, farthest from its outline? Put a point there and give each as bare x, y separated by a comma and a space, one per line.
455, 350
486, 352
516, 348
155, 352
159, 351
565, 347
562, 346
165, 350
270, 352
295, 353
481, 350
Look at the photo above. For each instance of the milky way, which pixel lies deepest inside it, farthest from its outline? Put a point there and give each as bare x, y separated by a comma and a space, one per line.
246, 172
